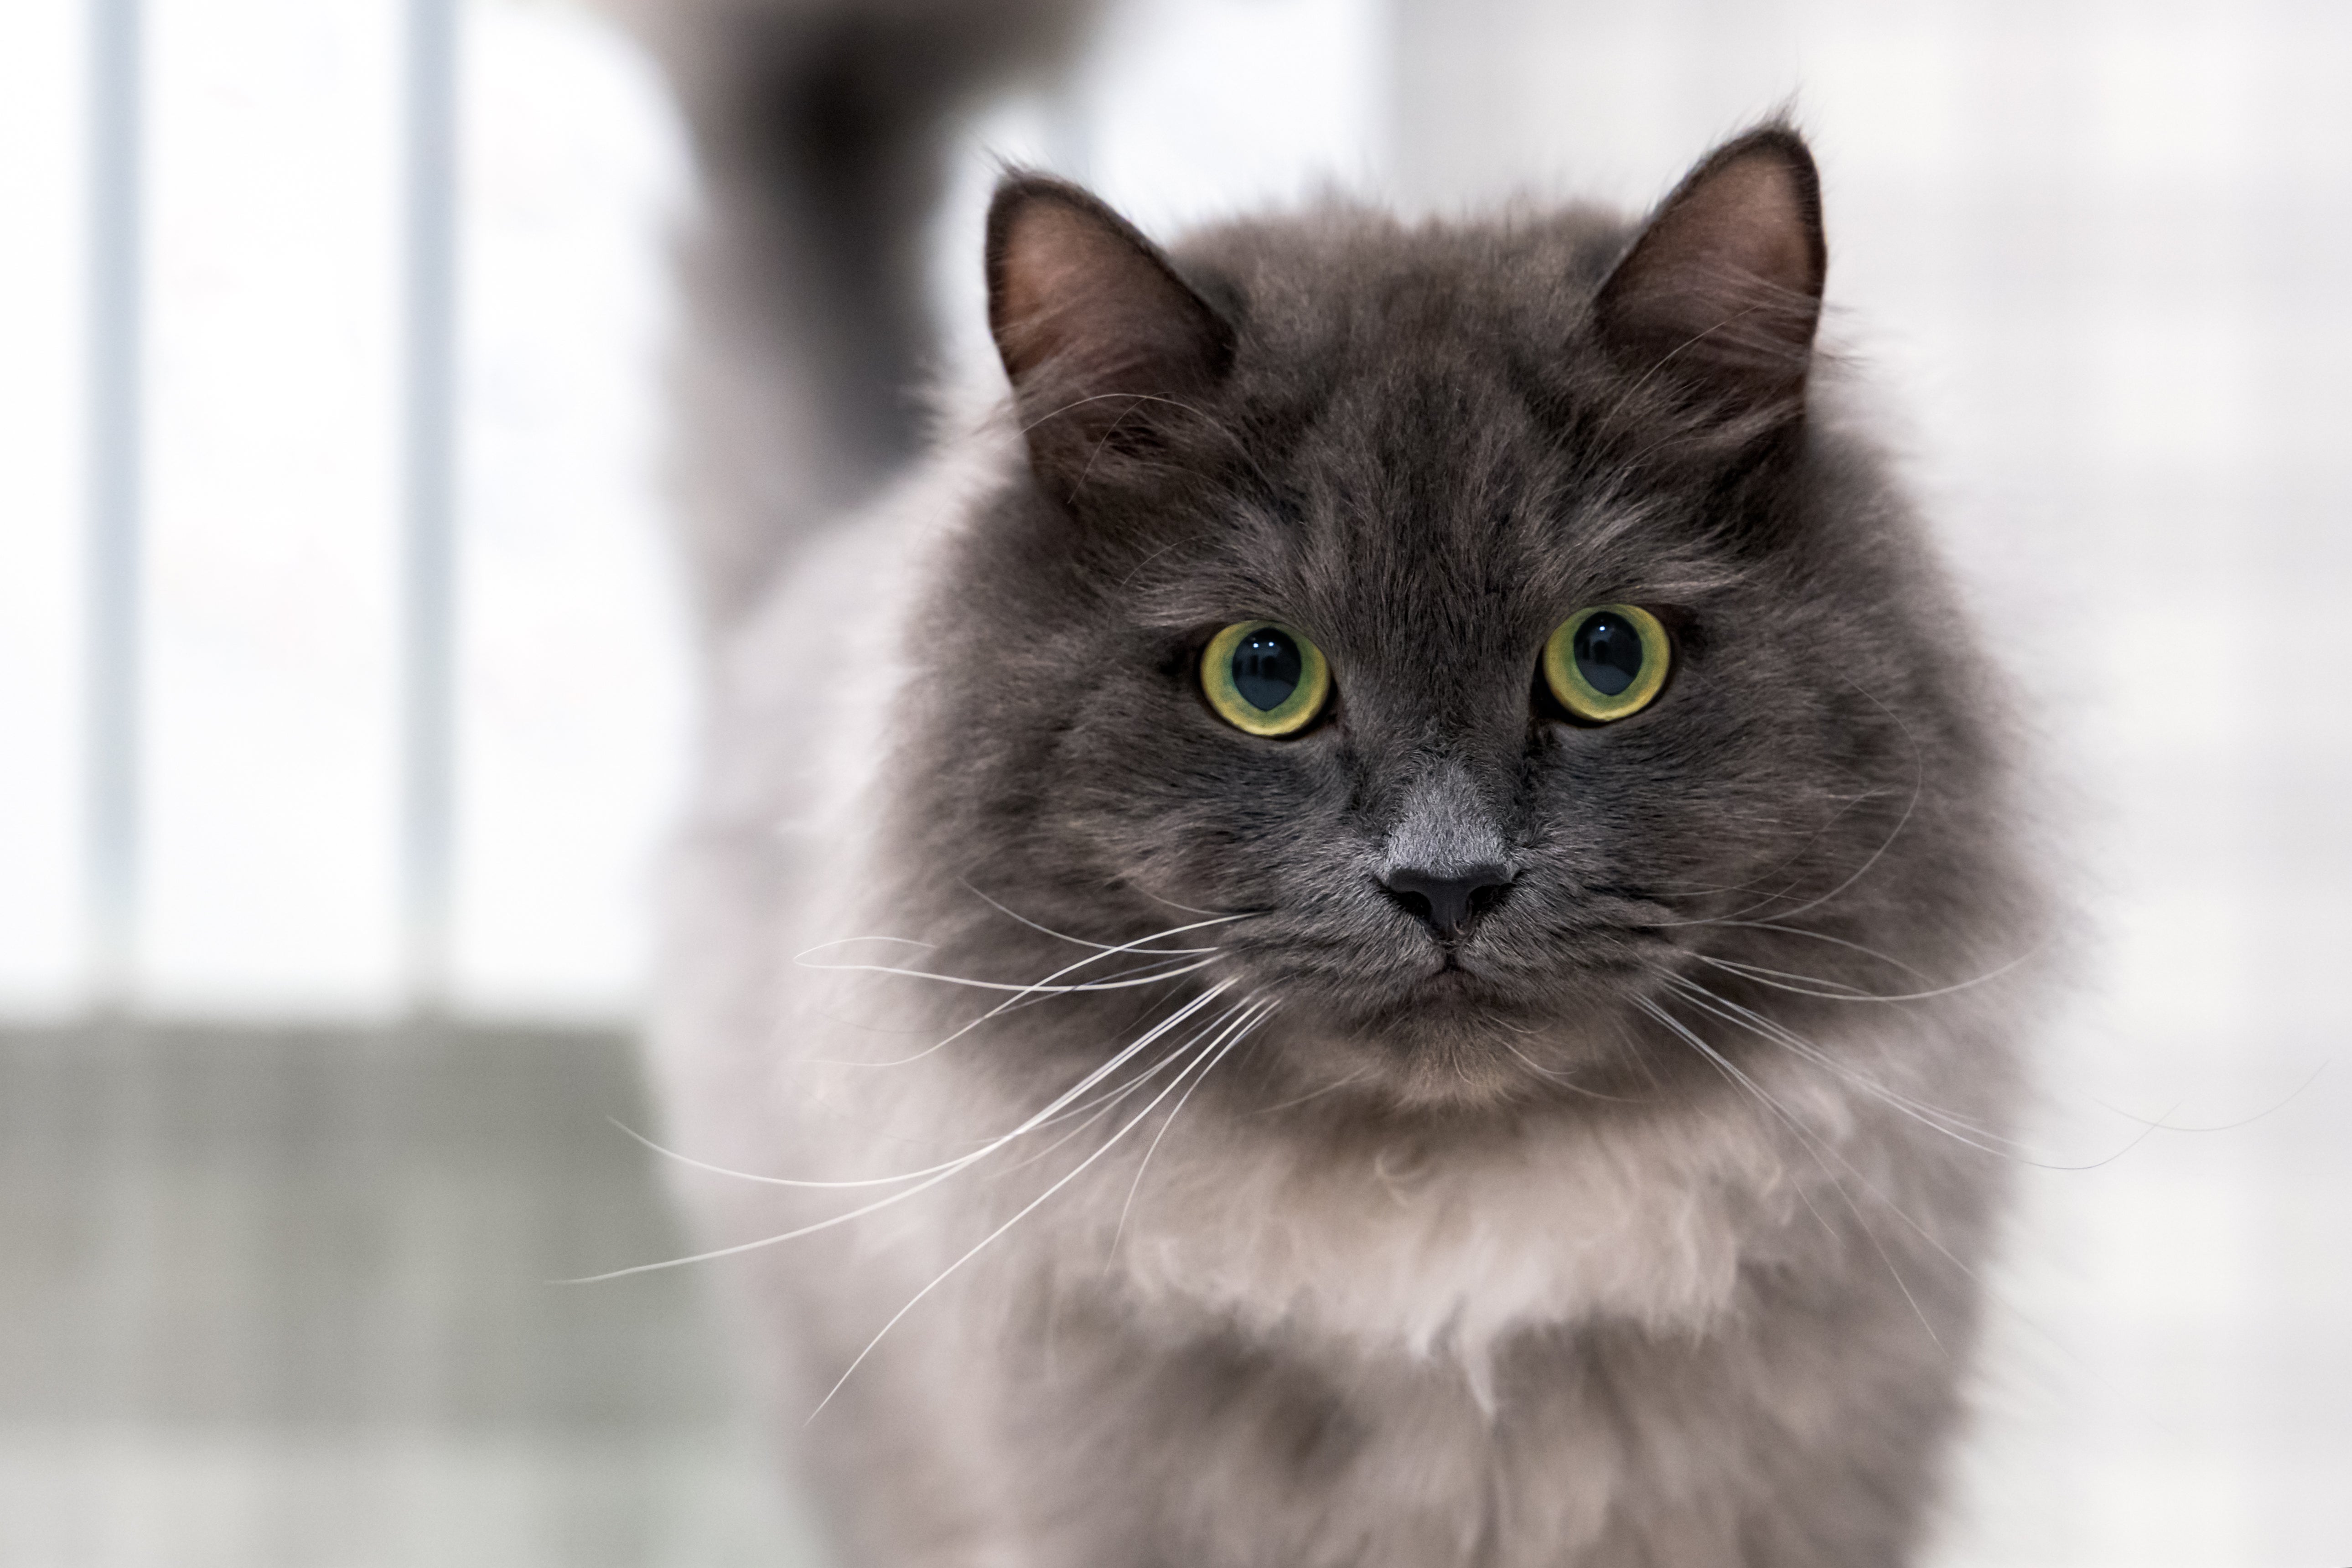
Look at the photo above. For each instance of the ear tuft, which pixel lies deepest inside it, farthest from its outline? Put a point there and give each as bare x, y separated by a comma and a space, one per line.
1103, 341
1723, 289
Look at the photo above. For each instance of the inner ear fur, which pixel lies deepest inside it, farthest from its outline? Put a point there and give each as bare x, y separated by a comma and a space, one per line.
1104, 342
1722, 292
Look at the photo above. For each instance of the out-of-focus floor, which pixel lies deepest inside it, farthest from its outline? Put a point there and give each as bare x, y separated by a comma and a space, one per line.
289, 1297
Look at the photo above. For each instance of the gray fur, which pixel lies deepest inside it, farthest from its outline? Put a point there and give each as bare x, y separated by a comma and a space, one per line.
1521, 1250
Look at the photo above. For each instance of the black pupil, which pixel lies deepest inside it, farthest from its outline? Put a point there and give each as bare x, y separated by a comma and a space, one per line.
1607, 653
1266, 668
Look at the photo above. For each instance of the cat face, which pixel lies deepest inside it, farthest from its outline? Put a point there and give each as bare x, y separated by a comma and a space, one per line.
1265, 630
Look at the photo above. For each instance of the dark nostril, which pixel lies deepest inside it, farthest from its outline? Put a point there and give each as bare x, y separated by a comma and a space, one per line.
1447, 902
1413, 904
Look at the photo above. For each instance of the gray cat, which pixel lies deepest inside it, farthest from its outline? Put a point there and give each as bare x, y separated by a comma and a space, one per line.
1368, 927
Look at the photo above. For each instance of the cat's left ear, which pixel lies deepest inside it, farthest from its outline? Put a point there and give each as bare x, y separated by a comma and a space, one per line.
1723, 291
1104, 343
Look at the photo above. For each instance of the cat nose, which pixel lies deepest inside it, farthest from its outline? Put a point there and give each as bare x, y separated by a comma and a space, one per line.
1448, 902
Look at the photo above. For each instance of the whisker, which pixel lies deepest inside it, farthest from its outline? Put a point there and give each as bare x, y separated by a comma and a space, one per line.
2048, 1335
1932, 1116
1313, 1094
930, 1178
1252, 1022
2167, 1125
1187, 909
1710, 890
1140, 944
1853, 992
1075, 1172
1064, 936
1950, 1124
1562, 1079
1783, 864
1128, 980
1009, 1006
1918, 786
1821, 936
1813, 1145
1103, 1105
1756, 971
1029, 992
1038, 988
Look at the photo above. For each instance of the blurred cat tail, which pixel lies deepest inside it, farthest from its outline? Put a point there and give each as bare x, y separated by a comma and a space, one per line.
820, 130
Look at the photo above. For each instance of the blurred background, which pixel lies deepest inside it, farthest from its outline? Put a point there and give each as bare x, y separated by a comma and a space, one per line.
344, 691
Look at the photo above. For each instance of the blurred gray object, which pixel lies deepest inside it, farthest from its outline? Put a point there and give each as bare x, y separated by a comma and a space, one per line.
821, 130
291, 1296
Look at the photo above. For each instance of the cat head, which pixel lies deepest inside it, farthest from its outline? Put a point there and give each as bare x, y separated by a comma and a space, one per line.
1482, 622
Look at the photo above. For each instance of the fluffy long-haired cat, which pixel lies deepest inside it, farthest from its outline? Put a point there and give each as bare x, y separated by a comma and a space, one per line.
1369, 927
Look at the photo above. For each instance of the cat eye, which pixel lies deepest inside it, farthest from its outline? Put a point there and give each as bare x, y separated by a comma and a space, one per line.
1264, 678
1607, 662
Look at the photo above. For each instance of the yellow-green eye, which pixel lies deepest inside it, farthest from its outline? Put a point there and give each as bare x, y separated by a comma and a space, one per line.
1264, 677
1607, 662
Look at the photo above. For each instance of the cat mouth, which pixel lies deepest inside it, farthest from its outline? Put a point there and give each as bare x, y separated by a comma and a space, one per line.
1452, 980
1450, 991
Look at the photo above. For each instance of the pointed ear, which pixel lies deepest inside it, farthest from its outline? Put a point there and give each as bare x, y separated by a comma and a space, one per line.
1723, 291
1106, 345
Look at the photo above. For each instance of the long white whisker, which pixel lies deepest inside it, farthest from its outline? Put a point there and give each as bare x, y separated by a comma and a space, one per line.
1758, 972
1242, 1028
951, 1037
1040, 988
1739, 1079
1012, 914
1562, 1079
1108, 1144
1785, 862
2050, 1336
1103, 1105
931, 1178
1952, 1125
1028, 991
1101, 951
1776, 979
1931, 1116
1822, 936
1918, 787
1814, 1145
1334, 1087
1956, 1127
2168, 1125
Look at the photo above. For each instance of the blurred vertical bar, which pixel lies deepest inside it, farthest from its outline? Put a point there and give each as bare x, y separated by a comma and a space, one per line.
429, 721
115, 300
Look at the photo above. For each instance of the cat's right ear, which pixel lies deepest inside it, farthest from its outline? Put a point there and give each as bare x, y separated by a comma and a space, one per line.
1723, 291
1104, 343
